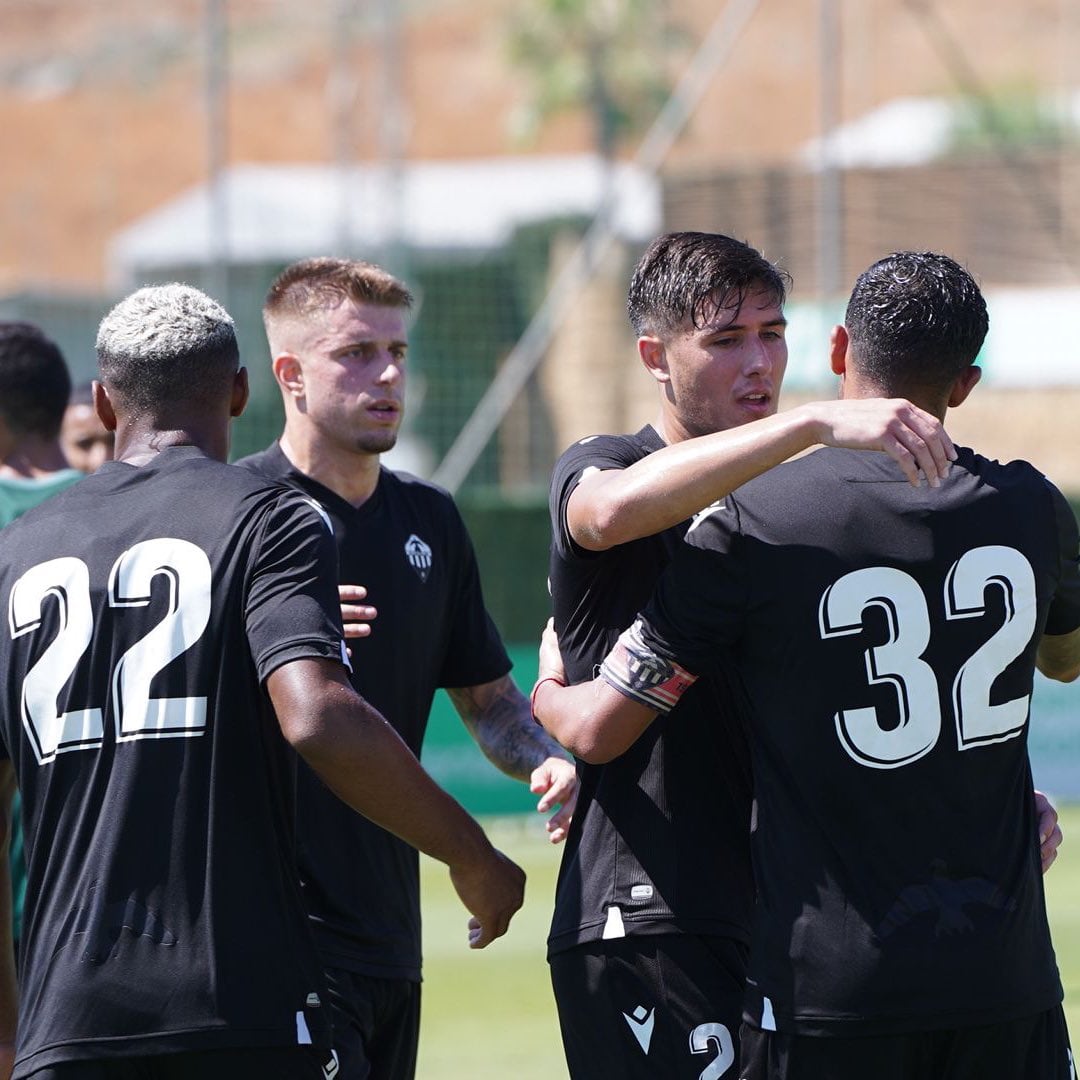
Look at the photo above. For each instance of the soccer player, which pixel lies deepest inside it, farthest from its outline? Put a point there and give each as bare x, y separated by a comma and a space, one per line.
652, 909
172, 629
882, 640
338, 337
34, 388
84, 438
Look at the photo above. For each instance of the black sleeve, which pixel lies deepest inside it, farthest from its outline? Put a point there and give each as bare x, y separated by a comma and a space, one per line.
1064, 615
599, 453
474, 652
699, 604
293, 611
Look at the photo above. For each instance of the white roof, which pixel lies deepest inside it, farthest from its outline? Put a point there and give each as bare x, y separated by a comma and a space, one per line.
905, 131
285, 212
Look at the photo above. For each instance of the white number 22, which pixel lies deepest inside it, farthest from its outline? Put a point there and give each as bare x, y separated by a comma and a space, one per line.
136, 715
899, 660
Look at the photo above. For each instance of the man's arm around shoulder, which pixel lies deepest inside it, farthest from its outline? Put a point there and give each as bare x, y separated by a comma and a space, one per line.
614, 506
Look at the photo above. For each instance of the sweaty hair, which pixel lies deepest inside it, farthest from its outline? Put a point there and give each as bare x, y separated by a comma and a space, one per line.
686, 277
915, 319
167, 344
321, 283
34, 381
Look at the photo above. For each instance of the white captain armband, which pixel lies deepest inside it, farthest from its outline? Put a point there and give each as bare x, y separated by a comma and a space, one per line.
639, 673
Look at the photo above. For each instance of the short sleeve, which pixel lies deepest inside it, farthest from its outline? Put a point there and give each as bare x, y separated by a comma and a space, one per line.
292, 607
1064, 615
597, 453
475, 653
699, 606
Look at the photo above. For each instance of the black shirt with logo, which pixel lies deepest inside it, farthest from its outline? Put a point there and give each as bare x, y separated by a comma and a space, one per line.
408, 546
146, 606
659, 841
886, 636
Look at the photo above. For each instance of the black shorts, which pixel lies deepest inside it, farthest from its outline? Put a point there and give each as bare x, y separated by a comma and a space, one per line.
376, 1025
265, 1063
647, 1007
1032, 1048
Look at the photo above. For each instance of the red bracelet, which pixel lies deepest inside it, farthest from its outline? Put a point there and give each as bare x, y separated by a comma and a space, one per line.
536, 686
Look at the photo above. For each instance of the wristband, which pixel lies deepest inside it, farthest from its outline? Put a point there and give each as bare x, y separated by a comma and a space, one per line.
532, 697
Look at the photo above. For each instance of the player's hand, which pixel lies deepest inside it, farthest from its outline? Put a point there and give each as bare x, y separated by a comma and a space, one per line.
551, 662
1049, 830
7, 1059
355, 617
914, 439
556, 782
492, 889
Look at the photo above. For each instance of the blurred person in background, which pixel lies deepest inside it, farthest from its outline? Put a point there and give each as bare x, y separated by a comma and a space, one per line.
84, 438
338, 337
34, 391
34, 388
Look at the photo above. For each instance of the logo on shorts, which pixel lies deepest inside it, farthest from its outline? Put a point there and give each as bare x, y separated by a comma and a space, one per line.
641, 1025
332, 1067
419, 556
313, 1001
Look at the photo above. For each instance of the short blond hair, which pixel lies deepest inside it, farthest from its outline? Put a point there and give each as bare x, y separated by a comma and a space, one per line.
317, 284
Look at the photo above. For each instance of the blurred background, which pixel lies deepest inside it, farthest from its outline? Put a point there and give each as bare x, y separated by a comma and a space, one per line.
510, 159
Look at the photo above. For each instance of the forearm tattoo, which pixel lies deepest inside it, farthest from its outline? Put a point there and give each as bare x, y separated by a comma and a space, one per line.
499, 719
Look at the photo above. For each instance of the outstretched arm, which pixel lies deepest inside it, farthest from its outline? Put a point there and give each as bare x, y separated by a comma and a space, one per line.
499, 718
610, 507
360, 757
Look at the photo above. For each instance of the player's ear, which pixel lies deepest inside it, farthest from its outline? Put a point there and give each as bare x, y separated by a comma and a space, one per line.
966, 381
289, 374
240, 392
103, 406
838, 347
654, 357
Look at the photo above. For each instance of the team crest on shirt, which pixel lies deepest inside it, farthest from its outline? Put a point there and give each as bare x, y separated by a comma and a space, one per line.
419, 555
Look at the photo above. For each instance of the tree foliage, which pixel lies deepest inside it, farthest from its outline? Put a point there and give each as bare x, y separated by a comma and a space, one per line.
609, 57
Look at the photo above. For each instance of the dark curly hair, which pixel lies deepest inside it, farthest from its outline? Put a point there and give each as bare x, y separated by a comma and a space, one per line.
34, 381
915, 319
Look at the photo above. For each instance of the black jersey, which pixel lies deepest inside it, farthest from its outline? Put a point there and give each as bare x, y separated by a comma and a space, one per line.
659, 841
886, 636
408, 546
145, 606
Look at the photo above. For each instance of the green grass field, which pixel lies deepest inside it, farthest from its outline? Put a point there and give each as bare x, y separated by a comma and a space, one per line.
489, 1015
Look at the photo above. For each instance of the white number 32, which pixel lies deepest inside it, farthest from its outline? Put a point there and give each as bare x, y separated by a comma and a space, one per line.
899, 660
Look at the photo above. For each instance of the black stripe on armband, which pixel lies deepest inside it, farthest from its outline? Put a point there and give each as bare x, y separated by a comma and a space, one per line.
637, 672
